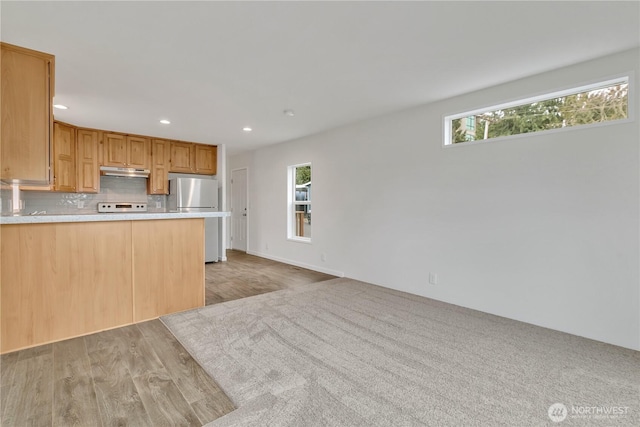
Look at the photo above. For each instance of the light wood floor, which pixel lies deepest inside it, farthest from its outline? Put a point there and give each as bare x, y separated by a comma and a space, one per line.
137, 375
247, 275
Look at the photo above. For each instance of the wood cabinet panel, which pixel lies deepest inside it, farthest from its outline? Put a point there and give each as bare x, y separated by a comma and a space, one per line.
169, 266
158, 182
87, 167
138, 151
63, 280
126, 151
182, 157
26, 94
64, 158
206, 159
120, 150
100, 147
26, 289
115, 149
188, 157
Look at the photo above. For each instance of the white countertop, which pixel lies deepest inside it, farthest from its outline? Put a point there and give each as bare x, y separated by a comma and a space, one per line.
40, 219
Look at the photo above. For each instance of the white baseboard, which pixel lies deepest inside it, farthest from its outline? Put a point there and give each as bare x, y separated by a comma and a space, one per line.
298, 264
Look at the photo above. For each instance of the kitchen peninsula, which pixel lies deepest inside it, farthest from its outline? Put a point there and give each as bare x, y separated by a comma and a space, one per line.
77, 272
70, 275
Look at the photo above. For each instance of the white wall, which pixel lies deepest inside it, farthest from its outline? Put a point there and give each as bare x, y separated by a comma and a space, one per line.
541, 228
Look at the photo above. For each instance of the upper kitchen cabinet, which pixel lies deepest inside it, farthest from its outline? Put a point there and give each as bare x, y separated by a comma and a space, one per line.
27, 91
126, 151
206, 159
182, 157
64, 157
187, 157
75, 159
87, 163
158, 182
138, 152
115, 149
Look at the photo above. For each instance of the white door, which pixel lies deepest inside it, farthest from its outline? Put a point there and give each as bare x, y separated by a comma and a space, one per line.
239, 209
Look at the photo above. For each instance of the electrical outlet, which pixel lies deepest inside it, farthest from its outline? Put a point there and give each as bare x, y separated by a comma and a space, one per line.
323, 257
158, 204
433, 278
80, 204
266, 246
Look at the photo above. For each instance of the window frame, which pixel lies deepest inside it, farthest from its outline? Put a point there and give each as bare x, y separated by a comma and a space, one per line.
627, 77
292, 203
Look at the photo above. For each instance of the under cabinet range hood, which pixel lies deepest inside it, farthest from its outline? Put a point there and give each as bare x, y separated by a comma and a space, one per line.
128, 172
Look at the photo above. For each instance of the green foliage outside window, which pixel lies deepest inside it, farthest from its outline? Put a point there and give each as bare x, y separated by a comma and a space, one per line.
594, 106
303, 175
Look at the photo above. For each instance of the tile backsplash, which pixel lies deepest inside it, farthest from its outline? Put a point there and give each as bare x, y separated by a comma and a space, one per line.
112, 189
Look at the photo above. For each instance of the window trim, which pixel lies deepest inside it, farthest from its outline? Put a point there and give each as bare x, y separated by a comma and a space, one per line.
627, 77
291, 203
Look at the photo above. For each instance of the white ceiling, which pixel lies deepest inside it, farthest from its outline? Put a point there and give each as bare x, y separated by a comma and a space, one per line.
215, 67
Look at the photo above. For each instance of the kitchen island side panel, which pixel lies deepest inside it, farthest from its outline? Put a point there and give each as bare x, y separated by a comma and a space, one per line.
68, 279
168, 275
63, 280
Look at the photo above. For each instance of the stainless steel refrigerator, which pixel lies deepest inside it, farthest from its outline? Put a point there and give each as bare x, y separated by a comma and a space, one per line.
198, 195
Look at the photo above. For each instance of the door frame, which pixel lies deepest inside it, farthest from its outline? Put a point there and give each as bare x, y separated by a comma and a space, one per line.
246, 168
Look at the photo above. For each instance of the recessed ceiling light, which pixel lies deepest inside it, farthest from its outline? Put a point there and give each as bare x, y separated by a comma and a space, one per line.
247, 129
165, 122
289, 113
60, 107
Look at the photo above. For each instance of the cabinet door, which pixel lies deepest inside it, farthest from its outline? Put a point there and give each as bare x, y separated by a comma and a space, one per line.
115, 150
138, 152
88, 179
206, 159
182, 157
27, 96
64, 155
158, 182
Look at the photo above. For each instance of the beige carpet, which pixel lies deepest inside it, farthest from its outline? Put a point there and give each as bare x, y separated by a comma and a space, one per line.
347, 353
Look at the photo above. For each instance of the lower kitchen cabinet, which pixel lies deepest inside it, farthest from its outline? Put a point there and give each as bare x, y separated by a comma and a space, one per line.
62, 280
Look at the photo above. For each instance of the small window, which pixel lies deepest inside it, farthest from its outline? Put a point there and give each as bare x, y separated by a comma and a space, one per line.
300, 202
597, 103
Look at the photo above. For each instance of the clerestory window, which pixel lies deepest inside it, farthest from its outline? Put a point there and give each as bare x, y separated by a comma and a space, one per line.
596, 103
